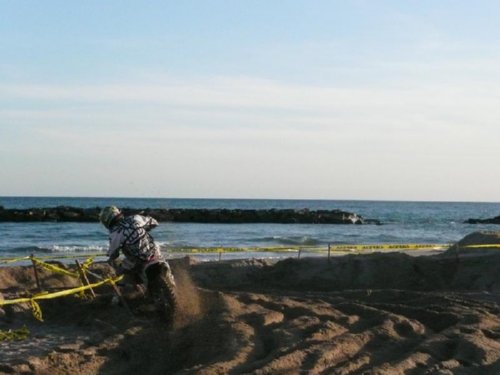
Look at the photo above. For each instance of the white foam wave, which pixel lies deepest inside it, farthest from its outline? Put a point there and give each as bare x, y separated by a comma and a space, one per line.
77, 248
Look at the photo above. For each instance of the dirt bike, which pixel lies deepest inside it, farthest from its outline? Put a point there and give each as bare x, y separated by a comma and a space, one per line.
156, 281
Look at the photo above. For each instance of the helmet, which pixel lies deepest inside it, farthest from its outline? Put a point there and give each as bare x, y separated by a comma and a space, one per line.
109, 215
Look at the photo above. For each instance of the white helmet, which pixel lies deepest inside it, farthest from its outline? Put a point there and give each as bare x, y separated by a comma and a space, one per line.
109, 216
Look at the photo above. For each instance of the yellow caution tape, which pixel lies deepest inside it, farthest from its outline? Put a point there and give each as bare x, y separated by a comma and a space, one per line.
35, 307
311, 248
87, 263
388, 247
13, 260
346, 247
491, 245
47, 257
54, 268
72, 256
68, 292
36, 310
61, 293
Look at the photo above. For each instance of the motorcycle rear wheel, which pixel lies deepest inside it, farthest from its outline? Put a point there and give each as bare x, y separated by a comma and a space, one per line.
163, 291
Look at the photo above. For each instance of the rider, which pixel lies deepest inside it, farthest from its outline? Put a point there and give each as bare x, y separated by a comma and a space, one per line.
130, 235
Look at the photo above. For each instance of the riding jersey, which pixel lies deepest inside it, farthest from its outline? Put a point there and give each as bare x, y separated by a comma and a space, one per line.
131, 236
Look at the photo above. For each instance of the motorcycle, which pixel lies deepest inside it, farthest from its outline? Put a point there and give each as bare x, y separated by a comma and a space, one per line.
156, 282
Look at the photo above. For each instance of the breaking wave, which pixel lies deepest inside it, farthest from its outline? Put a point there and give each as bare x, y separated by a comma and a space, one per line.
53, 249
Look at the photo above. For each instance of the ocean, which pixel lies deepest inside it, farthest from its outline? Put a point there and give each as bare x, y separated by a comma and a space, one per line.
403, 222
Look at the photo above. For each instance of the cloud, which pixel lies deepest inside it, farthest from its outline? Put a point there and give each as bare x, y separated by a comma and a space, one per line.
226, 133
236, 114
239, 102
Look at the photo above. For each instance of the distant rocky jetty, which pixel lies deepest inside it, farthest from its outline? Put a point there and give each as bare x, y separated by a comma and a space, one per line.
189, 215
494, 220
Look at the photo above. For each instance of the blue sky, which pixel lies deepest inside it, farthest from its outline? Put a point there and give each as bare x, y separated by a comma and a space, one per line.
251, 99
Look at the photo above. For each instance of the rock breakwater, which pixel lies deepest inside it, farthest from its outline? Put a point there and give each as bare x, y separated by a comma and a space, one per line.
189, 215
493, 220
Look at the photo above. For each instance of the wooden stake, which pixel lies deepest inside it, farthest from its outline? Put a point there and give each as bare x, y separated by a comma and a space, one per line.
83, 277
329, 249
122, 299
37, 279
220, 255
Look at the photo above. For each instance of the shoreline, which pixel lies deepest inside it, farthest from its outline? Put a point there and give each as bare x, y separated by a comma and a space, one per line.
231, 253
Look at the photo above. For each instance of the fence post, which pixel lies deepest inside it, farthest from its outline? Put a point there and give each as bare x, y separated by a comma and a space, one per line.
83, 277
220, 255
300, 250
120, 296
37, 279
329, 249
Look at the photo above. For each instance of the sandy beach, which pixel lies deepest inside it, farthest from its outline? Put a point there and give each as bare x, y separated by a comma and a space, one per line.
357, 314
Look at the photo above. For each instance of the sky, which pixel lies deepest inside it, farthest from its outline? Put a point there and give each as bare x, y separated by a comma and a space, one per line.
373, 99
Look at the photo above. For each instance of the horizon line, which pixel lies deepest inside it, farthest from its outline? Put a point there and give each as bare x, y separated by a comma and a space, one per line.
247, 199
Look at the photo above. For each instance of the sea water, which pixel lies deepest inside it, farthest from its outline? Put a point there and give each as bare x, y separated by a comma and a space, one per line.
403, 222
